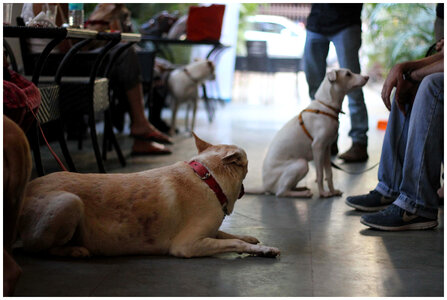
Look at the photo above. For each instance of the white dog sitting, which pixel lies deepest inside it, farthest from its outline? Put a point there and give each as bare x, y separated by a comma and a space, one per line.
309, 136
183, 86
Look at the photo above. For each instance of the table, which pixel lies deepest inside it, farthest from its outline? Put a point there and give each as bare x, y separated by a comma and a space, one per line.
57, 35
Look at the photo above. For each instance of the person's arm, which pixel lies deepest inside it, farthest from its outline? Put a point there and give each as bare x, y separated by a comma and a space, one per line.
435, 67
404, 87
423, 62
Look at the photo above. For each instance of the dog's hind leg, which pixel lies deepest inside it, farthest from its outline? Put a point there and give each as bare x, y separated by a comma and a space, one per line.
291, 175
49, 223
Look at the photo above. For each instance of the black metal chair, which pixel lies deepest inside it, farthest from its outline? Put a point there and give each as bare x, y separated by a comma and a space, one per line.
257, 58
75, 97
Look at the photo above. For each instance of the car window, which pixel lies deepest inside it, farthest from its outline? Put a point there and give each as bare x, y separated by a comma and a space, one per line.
268, 27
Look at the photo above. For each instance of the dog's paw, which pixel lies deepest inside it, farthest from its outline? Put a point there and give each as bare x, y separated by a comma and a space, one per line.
249, 239
269, 252
78, 252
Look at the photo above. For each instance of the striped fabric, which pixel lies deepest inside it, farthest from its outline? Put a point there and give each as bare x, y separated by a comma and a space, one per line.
101, 94
49, 105
74, 96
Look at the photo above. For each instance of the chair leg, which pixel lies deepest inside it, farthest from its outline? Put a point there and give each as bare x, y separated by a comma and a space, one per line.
91, 122
105, 140
64, 147
33, 137
108, 132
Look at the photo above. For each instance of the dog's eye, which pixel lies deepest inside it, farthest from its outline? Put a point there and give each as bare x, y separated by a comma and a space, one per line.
348, 74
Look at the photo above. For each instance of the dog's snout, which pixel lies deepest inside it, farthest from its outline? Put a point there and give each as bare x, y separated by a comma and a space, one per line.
366, 77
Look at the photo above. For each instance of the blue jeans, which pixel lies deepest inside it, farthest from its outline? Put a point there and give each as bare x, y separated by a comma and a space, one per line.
347, 43
412, 151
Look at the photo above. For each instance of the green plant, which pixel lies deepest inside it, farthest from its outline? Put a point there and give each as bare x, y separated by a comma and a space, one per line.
246, 9
395, 32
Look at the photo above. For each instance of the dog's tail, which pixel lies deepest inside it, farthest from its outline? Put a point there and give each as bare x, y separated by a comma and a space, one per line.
255, 191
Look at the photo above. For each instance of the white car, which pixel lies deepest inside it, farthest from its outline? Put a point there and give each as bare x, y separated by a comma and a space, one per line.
285, 38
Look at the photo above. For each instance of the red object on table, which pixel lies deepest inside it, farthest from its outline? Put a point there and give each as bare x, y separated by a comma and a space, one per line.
205, 22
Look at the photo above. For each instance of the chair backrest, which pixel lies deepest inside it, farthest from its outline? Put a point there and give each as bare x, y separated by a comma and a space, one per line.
256, 48
257, 58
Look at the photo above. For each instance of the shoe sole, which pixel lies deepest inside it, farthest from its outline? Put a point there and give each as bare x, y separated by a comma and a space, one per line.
413, 226
367, 208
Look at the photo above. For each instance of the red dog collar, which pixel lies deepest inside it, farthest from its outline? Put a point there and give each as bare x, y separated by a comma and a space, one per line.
206, 176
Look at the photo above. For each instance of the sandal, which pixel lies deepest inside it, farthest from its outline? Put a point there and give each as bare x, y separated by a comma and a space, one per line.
152, 149
153, 136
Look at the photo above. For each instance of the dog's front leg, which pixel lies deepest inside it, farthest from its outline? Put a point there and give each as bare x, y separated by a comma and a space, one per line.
225, 236
209, 246
328, 172
318, 150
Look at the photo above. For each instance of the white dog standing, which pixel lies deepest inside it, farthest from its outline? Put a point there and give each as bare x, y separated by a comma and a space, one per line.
183, 86
309, 136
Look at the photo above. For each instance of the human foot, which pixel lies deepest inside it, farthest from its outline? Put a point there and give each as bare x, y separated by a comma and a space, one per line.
142, 148
148, 132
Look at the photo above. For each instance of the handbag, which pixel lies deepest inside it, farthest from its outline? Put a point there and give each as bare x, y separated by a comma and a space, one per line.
205, 22
21, 99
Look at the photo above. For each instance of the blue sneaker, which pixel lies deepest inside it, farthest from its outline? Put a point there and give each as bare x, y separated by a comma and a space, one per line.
374, 201
395, 218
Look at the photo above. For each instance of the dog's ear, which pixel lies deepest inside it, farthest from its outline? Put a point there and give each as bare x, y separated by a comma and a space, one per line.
233, 157
200, 144
332, 76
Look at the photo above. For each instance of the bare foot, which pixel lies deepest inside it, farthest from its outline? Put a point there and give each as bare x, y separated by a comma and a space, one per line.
141, 147
146, 131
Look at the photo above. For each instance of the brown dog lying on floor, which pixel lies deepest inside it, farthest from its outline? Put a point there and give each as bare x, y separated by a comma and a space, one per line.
174, 210
16, 174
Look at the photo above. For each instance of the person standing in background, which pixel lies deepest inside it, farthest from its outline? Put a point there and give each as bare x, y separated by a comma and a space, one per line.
341, 25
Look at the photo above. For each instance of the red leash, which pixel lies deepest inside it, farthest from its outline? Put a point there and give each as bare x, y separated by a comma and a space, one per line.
61, 165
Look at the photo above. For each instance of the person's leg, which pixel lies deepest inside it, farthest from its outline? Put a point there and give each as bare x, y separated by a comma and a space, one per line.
424, 151
390, 166
139, 124
347, 44
393, 153
126, 74
417, 204
314, 60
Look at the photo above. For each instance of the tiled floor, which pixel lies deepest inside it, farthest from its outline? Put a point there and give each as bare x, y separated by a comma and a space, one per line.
325, 251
